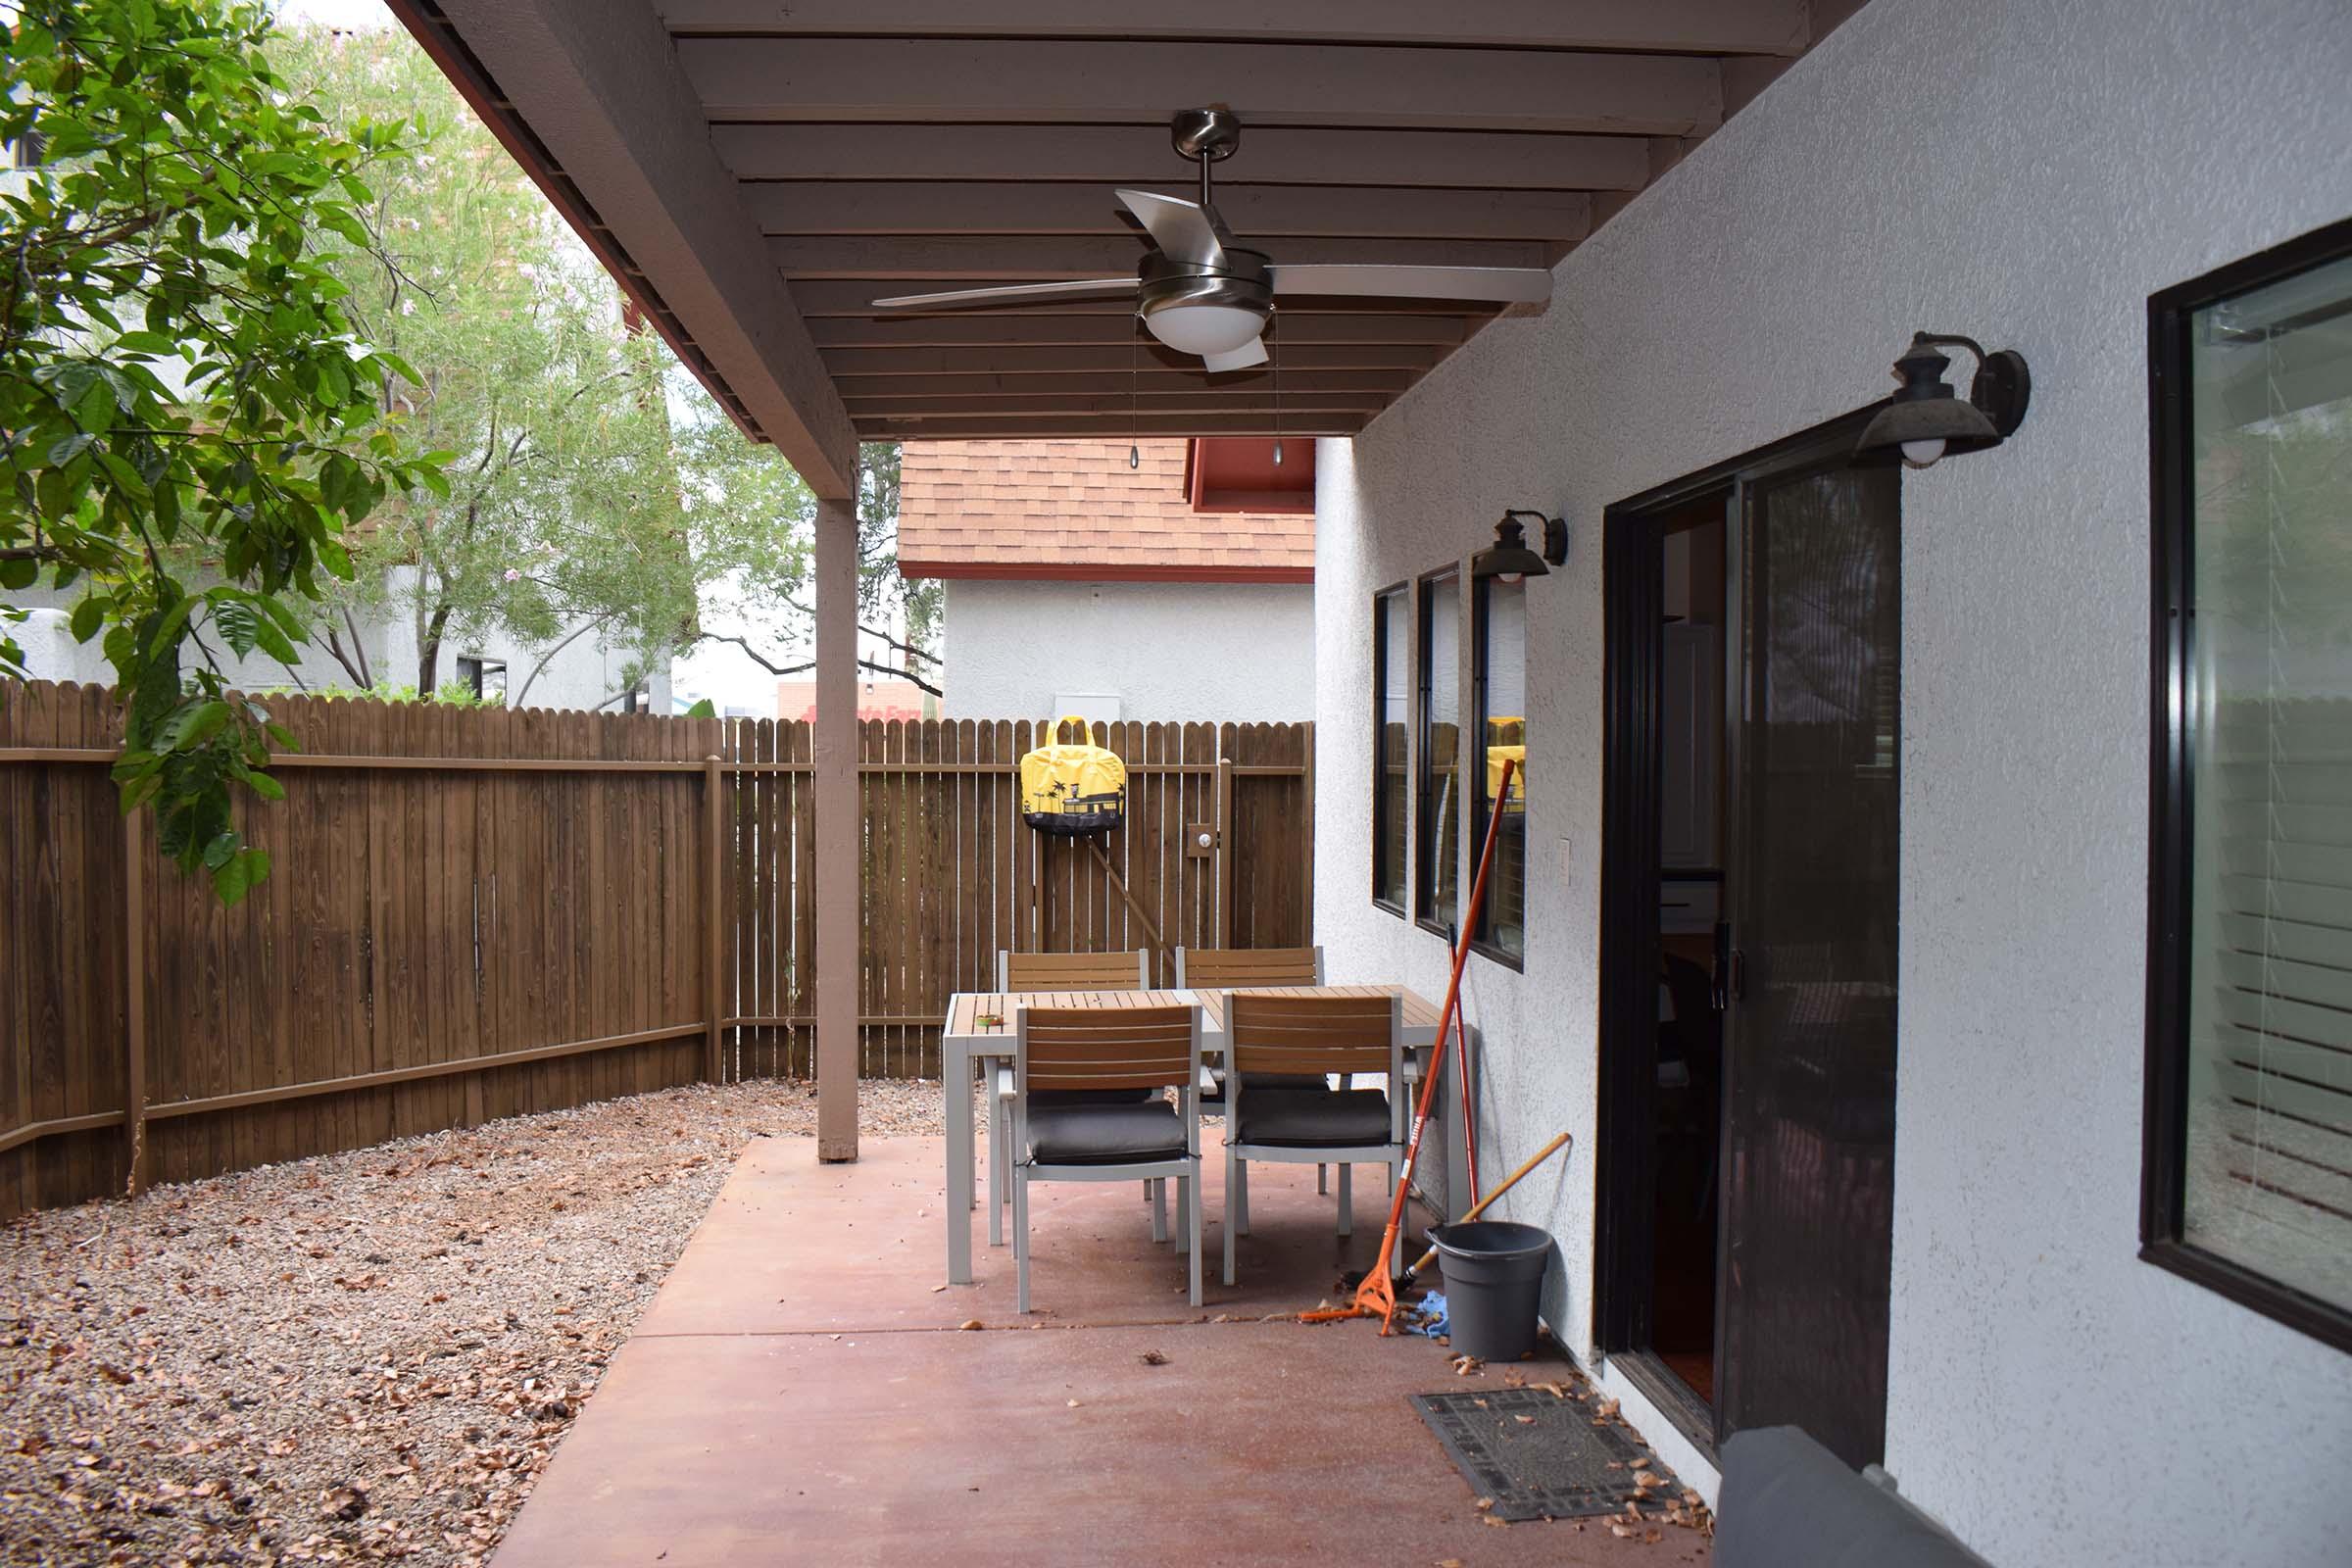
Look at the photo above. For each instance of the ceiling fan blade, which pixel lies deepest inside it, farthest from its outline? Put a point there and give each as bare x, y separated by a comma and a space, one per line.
1512, 286
1009, 293
1185, 231
1250, 353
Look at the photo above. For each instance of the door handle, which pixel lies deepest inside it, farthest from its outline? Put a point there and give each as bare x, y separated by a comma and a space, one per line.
1718, 983
1738, 975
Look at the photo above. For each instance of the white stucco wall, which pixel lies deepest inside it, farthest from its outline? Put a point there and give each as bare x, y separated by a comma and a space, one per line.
583, 675
2027, 172
1189, 652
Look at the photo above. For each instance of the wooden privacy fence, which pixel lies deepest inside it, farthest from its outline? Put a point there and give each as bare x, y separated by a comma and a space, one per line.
477, 912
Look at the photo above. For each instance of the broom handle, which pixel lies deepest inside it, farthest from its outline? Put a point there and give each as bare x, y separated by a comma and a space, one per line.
1453, 993
1480, 1207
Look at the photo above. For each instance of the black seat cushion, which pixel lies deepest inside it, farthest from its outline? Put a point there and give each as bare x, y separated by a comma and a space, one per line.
1103, 1135
1090, 1097
1312, 1118
1267, 1080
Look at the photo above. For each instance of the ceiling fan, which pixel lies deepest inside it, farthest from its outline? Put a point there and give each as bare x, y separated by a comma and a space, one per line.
1201, 293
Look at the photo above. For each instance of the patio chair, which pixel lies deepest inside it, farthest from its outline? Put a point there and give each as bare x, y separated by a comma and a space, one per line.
1062, 972
1222, 969
1311, 1037
1098, 1051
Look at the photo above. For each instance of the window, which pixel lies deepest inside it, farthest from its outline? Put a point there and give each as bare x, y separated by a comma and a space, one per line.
484, 677
1499, 622
1437, 819
1390, 705
2248, 1167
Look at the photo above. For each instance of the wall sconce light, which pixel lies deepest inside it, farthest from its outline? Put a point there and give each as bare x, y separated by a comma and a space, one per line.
1925, 421
1508, 557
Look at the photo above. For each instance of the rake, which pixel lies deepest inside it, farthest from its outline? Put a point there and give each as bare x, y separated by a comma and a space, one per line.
1376, 1297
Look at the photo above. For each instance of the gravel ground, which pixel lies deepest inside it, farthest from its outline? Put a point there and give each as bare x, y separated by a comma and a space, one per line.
360, 1357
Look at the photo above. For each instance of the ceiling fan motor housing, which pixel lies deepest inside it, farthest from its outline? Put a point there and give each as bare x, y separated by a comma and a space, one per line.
1244, 281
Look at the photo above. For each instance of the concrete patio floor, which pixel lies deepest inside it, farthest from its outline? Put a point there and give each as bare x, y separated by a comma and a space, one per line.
801, 1391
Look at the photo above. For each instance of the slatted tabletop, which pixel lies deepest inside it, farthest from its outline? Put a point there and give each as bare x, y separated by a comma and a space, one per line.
980, 1016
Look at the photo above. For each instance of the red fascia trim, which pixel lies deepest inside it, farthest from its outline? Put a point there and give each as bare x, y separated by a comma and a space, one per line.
1080, 572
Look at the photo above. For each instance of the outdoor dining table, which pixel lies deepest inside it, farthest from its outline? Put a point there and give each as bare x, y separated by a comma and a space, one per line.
979, 1029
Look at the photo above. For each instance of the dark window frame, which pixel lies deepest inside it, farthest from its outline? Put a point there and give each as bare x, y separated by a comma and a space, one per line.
1426, 824
1482, 940
474, 671
2172, 751
1382, 653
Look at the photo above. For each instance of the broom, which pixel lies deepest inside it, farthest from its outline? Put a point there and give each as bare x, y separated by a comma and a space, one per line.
1376, 1297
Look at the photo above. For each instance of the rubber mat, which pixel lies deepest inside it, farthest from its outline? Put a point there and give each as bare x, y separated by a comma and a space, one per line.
1540, 1456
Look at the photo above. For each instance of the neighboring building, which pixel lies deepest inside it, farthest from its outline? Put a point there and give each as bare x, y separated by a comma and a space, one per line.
584, 672
877, 698
1077, 583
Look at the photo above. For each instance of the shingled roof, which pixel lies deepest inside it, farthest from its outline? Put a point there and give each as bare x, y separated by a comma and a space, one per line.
1074, 510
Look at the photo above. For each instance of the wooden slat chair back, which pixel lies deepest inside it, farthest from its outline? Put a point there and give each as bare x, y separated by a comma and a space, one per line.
1073, 971
1093, 1047
1225, 969
1279, 1038
1315, 1035
1060, 1051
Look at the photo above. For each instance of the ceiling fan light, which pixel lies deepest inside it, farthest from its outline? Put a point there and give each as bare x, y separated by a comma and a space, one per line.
1204, 329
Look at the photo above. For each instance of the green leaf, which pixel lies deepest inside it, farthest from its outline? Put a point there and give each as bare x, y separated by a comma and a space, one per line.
264, 786
704, 709
88, 616
221, 849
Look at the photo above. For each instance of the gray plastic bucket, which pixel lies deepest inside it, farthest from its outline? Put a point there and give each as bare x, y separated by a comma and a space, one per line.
1494, 1276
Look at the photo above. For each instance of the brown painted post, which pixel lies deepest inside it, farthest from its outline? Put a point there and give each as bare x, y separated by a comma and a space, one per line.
714, 923
1307, 879
1224, 850
833, 747
134, 978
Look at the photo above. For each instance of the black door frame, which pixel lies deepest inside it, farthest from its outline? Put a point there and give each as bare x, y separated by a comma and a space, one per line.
1633, 592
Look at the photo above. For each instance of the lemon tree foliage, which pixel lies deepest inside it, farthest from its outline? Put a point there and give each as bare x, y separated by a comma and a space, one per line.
184, 398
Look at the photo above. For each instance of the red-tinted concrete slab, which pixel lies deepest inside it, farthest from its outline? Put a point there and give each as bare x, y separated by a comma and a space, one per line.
799, 1393
795, 1244
1258, 1443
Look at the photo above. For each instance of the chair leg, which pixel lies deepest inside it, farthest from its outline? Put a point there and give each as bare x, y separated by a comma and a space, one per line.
1238, 1201
997, 1175
1235, 1168
1322, 1181
1346, 1201
1158, 1191
1021, 1239
1187, 1200
1188, 1193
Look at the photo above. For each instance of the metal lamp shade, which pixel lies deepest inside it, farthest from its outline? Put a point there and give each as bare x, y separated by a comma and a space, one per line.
1939, 416
1508, 556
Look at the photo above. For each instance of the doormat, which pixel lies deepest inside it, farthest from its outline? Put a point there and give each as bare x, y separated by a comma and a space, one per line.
1540, 1456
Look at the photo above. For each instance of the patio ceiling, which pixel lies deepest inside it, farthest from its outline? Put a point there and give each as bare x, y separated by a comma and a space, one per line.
757, 171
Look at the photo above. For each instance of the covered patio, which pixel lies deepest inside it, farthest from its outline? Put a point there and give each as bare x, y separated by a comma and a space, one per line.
804, 1389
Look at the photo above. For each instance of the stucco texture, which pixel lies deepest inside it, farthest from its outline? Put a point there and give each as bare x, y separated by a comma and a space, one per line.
1169, 652
2026, 174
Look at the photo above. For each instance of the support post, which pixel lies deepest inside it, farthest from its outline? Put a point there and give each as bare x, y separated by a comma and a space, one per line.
840, 828
715, 924
1306, 877
134, 991
1224, 852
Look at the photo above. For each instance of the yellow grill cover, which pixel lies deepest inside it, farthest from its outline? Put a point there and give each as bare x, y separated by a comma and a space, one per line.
1072, 790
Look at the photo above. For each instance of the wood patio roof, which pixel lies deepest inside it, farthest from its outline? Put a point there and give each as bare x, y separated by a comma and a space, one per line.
755, 172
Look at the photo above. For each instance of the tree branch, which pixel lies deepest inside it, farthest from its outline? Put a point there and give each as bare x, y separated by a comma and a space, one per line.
773, 668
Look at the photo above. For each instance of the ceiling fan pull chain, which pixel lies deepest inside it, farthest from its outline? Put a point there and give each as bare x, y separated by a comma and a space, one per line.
1277, 391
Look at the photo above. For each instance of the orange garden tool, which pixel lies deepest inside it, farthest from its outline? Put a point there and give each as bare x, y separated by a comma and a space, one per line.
1376, 1297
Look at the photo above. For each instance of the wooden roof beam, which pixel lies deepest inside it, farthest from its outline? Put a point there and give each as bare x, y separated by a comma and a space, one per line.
1017, 361
858, 389
951, 81
1140, 154
1251, 212
822, 299
1109, 427
975, 327
595, 83
924, 258
1679, 26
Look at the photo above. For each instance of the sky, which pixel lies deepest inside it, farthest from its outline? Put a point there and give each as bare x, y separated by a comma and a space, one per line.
718, 671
